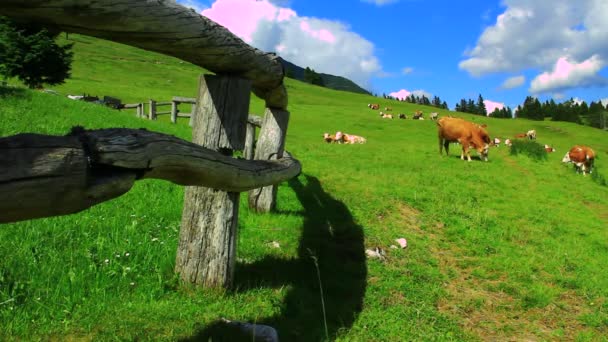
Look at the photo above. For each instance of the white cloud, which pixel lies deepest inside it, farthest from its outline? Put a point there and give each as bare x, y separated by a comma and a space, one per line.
491, 105
326, 46
380, 2
403, 93
407, 70
567, 74
534, 34
513, 82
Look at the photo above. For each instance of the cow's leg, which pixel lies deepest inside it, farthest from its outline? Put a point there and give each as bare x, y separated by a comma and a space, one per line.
441, 146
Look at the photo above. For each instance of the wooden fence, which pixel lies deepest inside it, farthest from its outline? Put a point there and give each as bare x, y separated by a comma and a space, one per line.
153, 105
96, 167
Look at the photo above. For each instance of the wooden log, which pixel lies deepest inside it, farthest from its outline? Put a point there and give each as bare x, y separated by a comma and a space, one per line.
43, 175
174, 111
152, 110
270, 146
130, 105
249, 141
162, 113
166, 103
164, 27
208, 236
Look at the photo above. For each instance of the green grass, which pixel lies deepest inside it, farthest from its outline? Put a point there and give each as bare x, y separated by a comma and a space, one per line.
515, 248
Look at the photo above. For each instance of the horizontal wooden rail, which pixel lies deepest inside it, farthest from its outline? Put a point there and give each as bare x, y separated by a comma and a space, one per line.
42, 175
181, 99
164, 27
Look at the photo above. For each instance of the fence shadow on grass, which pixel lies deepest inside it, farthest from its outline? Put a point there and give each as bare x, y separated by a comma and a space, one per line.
331, 236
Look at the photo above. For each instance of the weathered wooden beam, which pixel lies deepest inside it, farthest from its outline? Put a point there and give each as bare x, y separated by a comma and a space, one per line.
43, 175
208, 236
270, 146
165, 27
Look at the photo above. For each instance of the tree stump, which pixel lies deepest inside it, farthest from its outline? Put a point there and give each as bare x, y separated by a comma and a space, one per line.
270, 146
208, 236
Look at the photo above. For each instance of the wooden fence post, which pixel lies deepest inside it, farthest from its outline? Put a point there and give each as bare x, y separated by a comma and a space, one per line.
249, 141
174, 111
192, 114
152, 113
271, 143
208, 236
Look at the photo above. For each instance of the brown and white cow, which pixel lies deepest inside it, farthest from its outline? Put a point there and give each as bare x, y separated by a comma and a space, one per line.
386, 116
434, 116
388, 108
350, 138
466, 133
329, 138
582, 157
549, 149
402, 116
373, 106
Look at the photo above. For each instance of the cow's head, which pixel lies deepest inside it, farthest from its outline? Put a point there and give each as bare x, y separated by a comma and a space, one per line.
483, 151
566, 158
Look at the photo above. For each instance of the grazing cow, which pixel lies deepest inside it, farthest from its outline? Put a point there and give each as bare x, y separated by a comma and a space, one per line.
374, 106
434, 116
531, 134
466, 133
349, 138
496, 142
388, 108
417, 115
386, 116
582, 157
508, 142
402, 116
549, 149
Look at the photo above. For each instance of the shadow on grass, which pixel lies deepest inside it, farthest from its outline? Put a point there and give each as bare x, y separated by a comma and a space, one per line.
6, 91
336, 242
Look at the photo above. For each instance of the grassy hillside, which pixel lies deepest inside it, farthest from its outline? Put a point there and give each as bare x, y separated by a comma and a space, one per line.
511, 249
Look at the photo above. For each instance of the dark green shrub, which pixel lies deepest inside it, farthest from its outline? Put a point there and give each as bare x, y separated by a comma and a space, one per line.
530, 148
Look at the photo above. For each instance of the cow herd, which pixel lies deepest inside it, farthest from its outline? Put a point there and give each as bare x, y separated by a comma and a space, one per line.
471, 135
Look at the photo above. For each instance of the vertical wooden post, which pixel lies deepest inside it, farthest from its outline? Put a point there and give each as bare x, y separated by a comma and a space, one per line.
249, 141
138, 110
208, 236
192, 114
152, 109
271, 143
174, 111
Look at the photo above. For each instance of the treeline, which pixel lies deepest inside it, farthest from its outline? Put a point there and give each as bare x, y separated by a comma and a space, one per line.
594, 114
479, 108
421, 100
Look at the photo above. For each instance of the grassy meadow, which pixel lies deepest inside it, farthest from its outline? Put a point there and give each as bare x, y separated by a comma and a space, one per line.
512, 249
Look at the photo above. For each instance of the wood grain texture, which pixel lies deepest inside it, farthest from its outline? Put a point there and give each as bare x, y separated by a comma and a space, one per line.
270, 146
42, 175
161, 26
208, 235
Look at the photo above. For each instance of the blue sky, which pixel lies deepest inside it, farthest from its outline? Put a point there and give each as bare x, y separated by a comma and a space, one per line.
504, 50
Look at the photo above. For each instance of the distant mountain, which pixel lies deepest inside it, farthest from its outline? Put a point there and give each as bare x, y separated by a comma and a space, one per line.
330, 81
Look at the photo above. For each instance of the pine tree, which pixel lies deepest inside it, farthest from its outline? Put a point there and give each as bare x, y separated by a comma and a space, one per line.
481, 106
30, 53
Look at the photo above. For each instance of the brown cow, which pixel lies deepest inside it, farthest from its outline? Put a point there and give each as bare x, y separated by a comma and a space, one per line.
582, 157
466, 133
373, 105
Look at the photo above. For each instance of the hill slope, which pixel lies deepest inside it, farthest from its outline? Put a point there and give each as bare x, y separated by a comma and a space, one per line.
330, 81
511, 249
